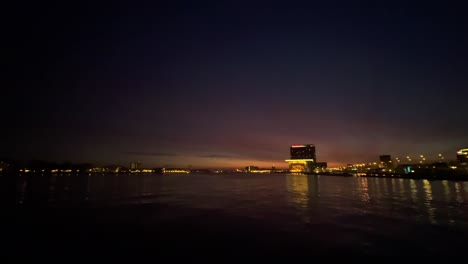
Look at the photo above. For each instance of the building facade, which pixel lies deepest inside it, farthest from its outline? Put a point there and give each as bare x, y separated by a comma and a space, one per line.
303, 152
303, 159
135, 165
462, 156
385, 161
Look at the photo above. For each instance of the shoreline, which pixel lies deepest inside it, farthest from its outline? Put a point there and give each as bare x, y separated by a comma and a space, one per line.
413, 176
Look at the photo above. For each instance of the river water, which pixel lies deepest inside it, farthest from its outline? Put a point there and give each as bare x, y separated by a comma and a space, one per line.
258, 214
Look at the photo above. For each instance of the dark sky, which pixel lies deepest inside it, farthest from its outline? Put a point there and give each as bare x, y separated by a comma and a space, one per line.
213, 84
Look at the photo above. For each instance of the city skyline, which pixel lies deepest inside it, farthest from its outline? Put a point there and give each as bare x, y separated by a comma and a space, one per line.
231, 85
225, 162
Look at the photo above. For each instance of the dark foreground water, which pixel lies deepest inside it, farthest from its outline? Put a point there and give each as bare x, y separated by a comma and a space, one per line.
232, 217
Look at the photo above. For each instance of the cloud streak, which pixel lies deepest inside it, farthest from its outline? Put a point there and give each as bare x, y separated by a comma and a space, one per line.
221, 156
156, 154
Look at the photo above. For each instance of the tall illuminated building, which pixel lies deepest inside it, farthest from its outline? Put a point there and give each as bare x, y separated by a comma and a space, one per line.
303, 159
303, 152
462, 156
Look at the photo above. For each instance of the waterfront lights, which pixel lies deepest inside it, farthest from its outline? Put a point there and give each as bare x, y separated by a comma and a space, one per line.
463, 152
299, 160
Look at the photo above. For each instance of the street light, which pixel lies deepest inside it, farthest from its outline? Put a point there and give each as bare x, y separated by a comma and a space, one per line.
408, 158
441, 157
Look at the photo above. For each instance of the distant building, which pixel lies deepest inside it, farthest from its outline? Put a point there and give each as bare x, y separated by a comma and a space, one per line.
303, 159
3, 166
320, 166
251, 168
135, 165
462, 156
386, 160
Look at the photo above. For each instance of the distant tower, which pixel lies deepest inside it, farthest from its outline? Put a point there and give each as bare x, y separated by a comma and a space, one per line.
135, 165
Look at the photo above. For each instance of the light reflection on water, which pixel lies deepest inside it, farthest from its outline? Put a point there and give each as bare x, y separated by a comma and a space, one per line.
367, 215
298, 190
436, 202
312, 198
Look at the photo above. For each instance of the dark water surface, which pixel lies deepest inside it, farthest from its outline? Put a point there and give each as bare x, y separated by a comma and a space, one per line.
235, 216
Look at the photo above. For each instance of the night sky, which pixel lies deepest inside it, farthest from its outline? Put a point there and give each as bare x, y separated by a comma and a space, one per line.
210, 84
